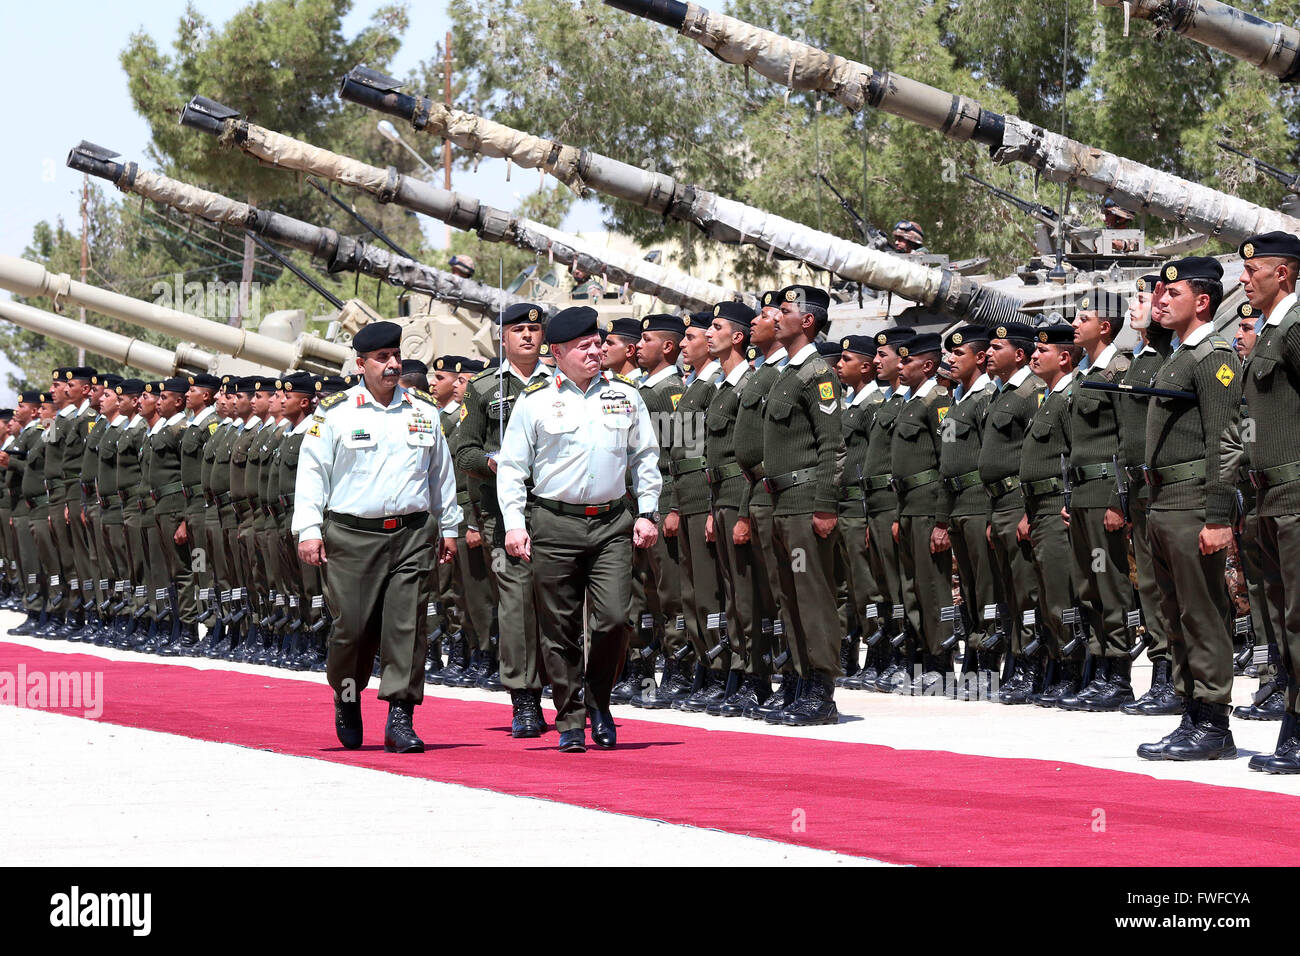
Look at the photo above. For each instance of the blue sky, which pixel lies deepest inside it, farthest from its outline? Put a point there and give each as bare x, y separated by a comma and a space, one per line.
65, 85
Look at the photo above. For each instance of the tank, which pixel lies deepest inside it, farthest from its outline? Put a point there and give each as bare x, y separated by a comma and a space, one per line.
1009, 139
339, 253
1273, 47
115, 347
463, 212
307, 352
722, 219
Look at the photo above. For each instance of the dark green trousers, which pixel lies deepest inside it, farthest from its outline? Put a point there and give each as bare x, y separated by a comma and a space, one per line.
882, 551
1153, 615
477, 591
1014, 580
743, 579
656, 574
518, 646
930, 578
1050, 541
774, 606
805, 563
1251, 563
579, 559
1101, 581
377, 588
862, 586
29, 560
970, 550
1279, 550
701, 586
1194, 597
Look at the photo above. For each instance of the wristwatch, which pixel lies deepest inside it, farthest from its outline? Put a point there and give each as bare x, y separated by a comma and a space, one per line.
652, 516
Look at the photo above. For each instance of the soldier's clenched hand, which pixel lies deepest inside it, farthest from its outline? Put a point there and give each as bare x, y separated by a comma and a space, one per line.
519, 545
312, 552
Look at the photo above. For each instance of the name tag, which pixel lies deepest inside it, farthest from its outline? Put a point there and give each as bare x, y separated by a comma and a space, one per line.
359, 439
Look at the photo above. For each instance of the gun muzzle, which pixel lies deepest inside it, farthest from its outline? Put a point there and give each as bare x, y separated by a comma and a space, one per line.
207, 115
382, 93
671, 13
97, 161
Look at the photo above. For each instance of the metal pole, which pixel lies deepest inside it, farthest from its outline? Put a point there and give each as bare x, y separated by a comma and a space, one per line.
85, 253
446, 143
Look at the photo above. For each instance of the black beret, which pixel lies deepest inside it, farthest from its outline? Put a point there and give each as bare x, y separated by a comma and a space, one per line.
177, 385
60, 374
663, 322
472, 365
1248, 311
493, 362
6, 414
131, 386
920, 344
230, 384
30, 397
572, 323
736, 312
450, 363
1108, 305
1276, 243
304, 383
248, 384
806, 296
1018, 332
1147, 283
204, 380
1056, 334
894, 337
82, 372
544, 349
46, 398
858, 344
700, 320
829, 349
331, 384
628, 328
376, 336
1193, 267
523, 312
414, 367
770, 299
965, 335
109, 380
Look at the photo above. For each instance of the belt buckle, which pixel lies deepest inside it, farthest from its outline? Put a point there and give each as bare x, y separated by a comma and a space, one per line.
590, 510
390, 524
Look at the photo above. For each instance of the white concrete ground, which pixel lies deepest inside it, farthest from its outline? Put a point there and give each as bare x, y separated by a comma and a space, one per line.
155, 798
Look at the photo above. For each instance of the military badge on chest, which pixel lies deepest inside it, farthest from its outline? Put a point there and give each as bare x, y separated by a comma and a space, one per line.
614, 402
419, 423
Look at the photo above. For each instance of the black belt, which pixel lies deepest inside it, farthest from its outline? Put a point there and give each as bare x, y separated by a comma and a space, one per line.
1277, 475
801, 476
1084, 473
581, 511
959, 483
718, 475
415, 519
686, 466
171, 488
1172, 474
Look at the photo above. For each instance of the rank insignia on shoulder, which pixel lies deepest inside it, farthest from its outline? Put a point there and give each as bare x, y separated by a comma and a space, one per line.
333, 400
826, 390
1225, 375
464, 410
318, 418
624, 379
539, 384
675, 397
215, 425
314, 431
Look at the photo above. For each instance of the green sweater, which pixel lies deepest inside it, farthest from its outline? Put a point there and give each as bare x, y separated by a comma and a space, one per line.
1142, 371
1009, 412
801, 432
690, 491
1272, 391
160, 467
661, 400
959, 454
1094, 433
879, 461
720, 441
1046, 439
487, 413
914, 451
748, 441
1206, 430
856, 425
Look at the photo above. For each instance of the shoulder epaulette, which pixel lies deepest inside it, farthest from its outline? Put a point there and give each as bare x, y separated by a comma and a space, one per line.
422, 395
812, 369
624, 379
333, 400
536, 386
486, 373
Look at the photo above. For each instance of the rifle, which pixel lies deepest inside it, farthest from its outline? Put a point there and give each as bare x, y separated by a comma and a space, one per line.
1243, 626
871, 236
1140, 391
1290, 180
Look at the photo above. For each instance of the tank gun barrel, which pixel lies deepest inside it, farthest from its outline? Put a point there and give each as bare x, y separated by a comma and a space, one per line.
857, 86
340, 253
720, 218
117, 348
31, 279
1273, 47
462, 212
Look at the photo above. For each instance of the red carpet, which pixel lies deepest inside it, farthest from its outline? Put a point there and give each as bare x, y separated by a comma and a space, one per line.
921, 807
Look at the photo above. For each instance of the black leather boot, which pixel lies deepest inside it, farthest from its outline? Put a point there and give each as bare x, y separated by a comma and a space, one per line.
1209, 739
1117, 691
629, 683
792, 695
1065, 682
523, 720
1285, 757
399, 734
818, 704
732, 691
1156, 751
1270, 700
